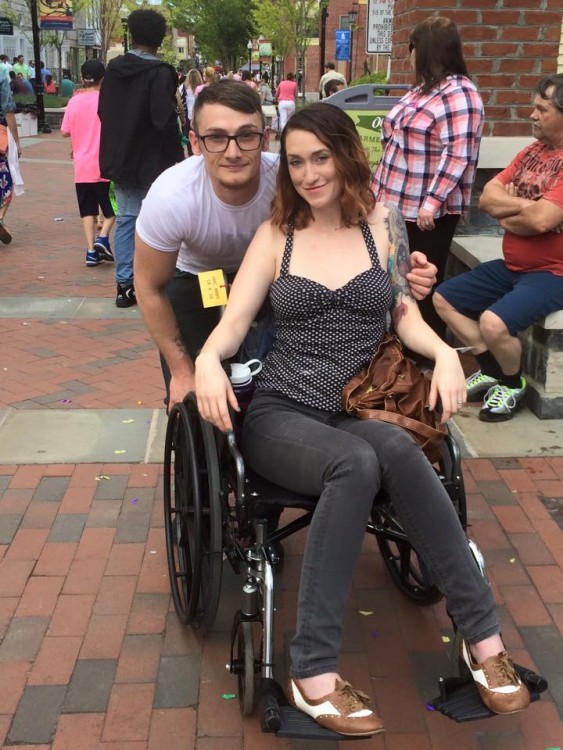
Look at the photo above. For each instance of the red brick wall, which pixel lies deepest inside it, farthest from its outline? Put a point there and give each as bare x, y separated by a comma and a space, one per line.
507, 49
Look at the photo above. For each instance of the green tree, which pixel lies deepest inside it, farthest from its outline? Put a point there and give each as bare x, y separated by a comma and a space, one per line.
288, 24
221, 28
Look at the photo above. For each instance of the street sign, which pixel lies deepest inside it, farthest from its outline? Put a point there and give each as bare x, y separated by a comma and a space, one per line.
6, 27
342, 44
379, 30
86, 37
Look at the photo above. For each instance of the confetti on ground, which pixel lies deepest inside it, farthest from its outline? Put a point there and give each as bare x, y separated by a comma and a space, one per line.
229, 696
446, 639
66, 401
127, 421
139, 403
134, 501
375, 634
101, 476
153, 552
365, 612
430, 707
25, 324
58, 218
512, 560
120, 451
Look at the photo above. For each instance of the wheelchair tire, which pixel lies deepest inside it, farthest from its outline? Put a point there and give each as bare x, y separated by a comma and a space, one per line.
246, 676
182, 515
402, 561
194, 521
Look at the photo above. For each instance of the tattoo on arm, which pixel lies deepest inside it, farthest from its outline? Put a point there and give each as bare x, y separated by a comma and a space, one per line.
399, 263
180, 343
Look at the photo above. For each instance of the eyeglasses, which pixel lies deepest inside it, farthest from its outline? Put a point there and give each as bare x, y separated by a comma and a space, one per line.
217, 143
411, 47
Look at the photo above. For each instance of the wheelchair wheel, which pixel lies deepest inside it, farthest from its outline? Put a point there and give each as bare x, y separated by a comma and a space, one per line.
403, 563
246, 676
193, 517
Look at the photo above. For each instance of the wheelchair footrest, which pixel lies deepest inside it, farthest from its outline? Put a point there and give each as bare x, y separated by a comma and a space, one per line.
295, 724
459, 698
286, 721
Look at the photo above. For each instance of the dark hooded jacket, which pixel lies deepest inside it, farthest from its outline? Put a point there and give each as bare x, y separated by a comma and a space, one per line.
139, 135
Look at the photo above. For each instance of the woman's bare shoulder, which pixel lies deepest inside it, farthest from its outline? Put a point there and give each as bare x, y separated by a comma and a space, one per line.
379, 213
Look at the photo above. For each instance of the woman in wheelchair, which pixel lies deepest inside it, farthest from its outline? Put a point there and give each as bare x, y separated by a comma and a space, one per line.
333, 263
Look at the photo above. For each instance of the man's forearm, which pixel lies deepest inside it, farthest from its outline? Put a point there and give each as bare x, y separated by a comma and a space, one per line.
498, 202
162, 325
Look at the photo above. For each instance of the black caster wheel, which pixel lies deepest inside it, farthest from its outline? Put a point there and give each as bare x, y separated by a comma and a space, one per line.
246, 675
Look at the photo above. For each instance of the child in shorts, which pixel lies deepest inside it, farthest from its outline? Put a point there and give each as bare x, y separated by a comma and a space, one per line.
82, 124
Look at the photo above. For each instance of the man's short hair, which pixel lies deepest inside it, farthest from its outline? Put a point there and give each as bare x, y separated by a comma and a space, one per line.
329, 65
147, 27
332, 86
556, 96
233, 94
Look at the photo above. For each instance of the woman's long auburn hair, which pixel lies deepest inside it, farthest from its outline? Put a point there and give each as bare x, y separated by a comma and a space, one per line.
335, 129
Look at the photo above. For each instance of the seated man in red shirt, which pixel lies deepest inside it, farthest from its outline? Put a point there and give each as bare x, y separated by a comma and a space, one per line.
486, 308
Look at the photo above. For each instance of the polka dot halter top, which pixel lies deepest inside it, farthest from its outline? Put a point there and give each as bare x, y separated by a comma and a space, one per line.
324, 336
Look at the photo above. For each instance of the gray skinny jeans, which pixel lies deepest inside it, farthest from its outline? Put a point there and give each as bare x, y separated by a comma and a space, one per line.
345, 461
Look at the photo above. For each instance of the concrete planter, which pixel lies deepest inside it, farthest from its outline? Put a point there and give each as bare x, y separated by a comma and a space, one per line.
54, 117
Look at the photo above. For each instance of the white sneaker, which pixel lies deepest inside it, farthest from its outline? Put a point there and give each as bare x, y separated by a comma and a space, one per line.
478, 383
501, 402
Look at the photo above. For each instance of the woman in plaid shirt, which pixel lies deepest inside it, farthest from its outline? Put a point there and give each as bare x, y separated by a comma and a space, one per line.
431, 143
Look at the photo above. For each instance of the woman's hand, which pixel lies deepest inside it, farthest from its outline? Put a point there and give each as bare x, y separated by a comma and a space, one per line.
214, 391
423, 275
425, 220
448, 382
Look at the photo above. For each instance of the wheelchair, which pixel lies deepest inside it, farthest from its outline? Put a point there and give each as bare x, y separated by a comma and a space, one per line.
216, 510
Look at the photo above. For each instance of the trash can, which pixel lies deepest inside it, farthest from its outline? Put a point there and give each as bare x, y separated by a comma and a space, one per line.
367, 106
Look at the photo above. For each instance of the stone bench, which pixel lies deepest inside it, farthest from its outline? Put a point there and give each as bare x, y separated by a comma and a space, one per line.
542, 343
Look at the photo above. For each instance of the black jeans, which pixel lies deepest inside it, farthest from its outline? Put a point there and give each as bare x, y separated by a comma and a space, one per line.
344, 462
196, 322
436, 245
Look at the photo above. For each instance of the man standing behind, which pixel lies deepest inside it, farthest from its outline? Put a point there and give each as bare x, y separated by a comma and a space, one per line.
20, 67
139, 135
5, 66
488, 307
329, 75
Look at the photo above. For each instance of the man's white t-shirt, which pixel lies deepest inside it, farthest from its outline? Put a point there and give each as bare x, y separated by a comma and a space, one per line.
181, 211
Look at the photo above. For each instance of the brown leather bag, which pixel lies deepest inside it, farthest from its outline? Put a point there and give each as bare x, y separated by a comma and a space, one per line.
394, 390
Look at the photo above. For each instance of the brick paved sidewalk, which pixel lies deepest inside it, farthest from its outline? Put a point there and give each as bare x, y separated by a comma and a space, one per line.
93, 656
45, 362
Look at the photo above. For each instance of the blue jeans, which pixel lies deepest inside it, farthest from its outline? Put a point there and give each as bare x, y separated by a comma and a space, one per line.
129, 200
344, 462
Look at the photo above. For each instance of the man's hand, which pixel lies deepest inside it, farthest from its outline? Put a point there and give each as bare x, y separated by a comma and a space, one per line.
422, 276
179, 388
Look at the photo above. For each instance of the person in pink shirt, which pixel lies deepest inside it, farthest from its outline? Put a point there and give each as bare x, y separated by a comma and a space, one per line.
82, 125
285, 94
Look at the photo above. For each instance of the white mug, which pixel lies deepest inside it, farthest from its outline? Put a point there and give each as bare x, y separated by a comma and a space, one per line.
242, 374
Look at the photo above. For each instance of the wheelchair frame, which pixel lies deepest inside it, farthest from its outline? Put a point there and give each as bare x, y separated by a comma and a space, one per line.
216, 509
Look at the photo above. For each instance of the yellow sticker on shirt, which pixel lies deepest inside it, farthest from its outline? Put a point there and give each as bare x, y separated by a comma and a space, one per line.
213, 286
